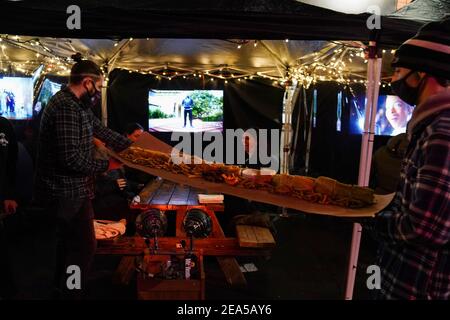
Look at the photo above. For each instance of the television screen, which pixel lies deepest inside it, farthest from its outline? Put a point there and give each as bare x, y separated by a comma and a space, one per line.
16, 97
48, 89
391, 119
185, 110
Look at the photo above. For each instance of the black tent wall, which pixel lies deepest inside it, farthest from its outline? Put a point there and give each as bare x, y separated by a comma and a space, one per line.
333, 154
254, 104
247, 104
203, 19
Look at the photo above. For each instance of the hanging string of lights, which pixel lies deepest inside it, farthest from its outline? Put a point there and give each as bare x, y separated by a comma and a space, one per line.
53, 63
332, 67
332, 63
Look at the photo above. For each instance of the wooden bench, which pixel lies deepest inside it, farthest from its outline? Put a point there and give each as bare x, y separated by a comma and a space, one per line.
254, 237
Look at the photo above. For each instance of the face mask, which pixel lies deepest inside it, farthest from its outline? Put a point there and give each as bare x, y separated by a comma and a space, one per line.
91, 99
404, 91
96, 98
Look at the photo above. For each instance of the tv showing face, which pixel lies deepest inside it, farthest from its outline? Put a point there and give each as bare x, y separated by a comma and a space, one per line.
185, 110
391, 119
48, 89
16, 97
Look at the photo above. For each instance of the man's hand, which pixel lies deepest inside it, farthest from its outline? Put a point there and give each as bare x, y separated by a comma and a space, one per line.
99, 143
10, 206
114, 164
121, 183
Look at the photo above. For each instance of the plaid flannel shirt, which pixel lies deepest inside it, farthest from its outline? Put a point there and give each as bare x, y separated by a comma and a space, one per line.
414, 231
65, 162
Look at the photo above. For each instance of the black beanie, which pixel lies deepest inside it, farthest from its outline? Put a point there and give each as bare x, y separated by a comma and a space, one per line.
428, 51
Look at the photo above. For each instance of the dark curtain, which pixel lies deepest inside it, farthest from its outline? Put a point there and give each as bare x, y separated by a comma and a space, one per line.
127, 99
253, 104
247, 103
333, 154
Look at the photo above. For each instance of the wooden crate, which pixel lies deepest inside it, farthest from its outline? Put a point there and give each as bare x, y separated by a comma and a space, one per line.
160, 289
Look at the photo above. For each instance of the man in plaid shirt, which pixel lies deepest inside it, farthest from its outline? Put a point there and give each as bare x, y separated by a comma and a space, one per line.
414, 231
65, 171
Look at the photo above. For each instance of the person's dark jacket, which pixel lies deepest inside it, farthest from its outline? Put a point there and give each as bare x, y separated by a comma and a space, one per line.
8, 160
386, 165
65, 166
110, 202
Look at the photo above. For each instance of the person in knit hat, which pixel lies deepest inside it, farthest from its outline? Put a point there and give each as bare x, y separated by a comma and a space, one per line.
414, 231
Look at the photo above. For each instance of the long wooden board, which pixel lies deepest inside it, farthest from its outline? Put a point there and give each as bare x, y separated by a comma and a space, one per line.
147, 141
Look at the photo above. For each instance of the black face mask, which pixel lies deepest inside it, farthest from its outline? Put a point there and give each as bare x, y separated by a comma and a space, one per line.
404, 91
96, 98
90, 100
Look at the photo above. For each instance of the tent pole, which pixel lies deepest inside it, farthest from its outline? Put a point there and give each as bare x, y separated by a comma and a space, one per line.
110, 64
291, 94
297, 128
104, 102
310, 127
373, 78
108, 68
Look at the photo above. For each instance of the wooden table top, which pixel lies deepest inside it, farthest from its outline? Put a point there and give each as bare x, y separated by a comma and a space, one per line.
163, 193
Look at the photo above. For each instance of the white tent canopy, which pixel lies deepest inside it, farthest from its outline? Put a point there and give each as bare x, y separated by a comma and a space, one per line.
281, 60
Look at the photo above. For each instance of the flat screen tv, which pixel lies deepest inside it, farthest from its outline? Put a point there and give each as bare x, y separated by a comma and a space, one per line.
48, 89
185, 110
16, 97
391, 119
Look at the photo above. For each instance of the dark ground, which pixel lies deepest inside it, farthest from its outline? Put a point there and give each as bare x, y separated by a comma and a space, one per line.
309, 262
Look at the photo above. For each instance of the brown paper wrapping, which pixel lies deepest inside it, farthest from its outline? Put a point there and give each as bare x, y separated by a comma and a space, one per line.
149, 142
